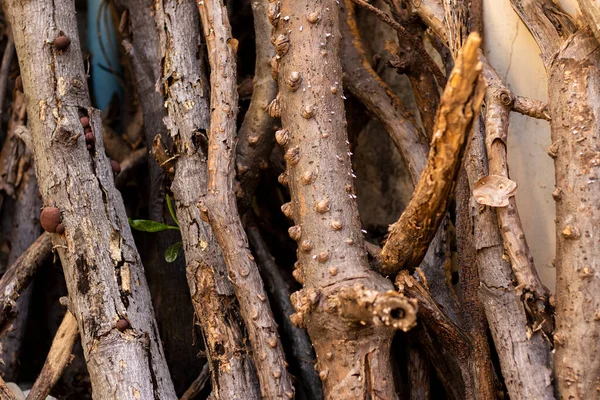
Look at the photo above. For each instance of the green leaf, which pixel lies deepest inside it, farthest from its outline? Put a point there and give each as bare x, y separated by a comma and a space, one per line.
172, 252
146, 225
171, 210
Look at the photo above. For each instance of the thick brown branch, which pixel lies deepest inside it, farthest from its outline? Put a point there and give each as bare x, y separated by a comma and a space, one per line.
219, 205
186, 92
257, 131
58, 358
410, 237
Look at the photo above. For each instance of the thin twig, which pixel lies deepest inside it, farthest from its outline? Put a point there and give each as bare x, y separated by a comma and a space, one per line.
418, 45
410, 236
198, 385
530, 107
59, 356
220, 205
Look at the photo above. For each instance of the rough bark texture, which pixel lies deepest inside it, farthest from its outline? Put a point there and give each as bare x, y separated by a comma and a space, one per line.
5, 392
410, 237
590, 11
220, 208
104, 274
173, 309
419, 372
256, 135
339, 290
59, 356
186, 92
574, 101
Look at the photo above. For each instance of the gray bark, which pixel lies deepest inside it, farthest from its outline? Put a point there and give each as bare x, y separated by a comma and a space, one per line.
102, 267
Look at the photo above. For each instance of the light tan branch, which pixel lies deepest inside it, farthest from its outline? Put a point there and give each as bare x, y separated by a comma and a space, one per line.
59, 356
410, 236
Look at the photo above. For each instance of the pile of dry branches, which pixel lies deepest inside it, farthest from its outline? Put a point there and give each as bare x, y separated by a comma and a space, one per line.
221, 230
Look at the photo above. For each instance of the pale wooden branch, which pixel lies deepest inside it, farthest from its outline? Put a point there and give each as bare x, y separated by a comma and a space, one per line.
187, 104
59, 356
256, 135
339, 289
220, 208
104, 274
19, 275
590, 13
530, 107
536, 295
410, 236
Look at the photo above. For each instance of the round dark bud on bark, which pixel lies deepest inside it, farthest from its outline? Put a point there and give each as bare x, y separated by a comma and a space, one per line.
19, 83
50, 218
122, 324
62, 42
115, 167
85, 121
89, 137
60, 229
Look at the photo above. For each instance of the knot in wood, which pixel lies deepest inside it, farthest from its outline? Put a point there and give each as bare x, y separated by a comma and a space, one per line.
503, 96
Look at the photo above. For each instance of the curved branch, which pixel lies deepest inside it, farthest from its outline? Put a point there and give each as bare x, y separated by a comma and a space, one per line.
220, 208
410, 236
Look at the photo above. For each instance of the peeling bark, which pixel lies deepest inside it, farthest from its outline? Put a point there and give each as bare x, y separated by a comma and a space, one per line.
219, 205
186, 92
339, 290
104, 274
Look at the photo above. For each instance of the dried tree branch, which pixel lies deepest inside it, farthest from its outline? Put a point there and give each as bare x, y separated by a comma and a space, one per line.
530, 107
302, 353
5, 392
418, 45
348, 310
105, 277
198, 385
410, 236
364, 84
447, 346
220, 208
7, 60
536, 295
590, 13
59, 356
19, 275
257, 131
188, 113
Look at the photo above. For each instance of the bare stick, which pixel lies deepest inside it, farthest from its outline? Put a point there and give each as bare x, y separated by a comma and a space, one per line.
59, 356
530, 107
187, 118
256, 135
5, 392
498, 106
410, 236
104, 274
18, 276
7, 59
198, 385
219, 205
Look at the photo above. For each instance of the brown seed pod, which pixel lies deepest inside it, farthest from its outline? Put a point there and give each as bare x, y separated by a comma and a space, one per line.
122, 324
274, 67
286, 208
60, 229
323, 256
292, 156
282, 136
19, 84
322, 206
306, 246
313, 17
85, 121
335, 225
308, 177
274, 108
50, 218
115, 167
273, 12
62, 42
282, 45
298, 275
283, 178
